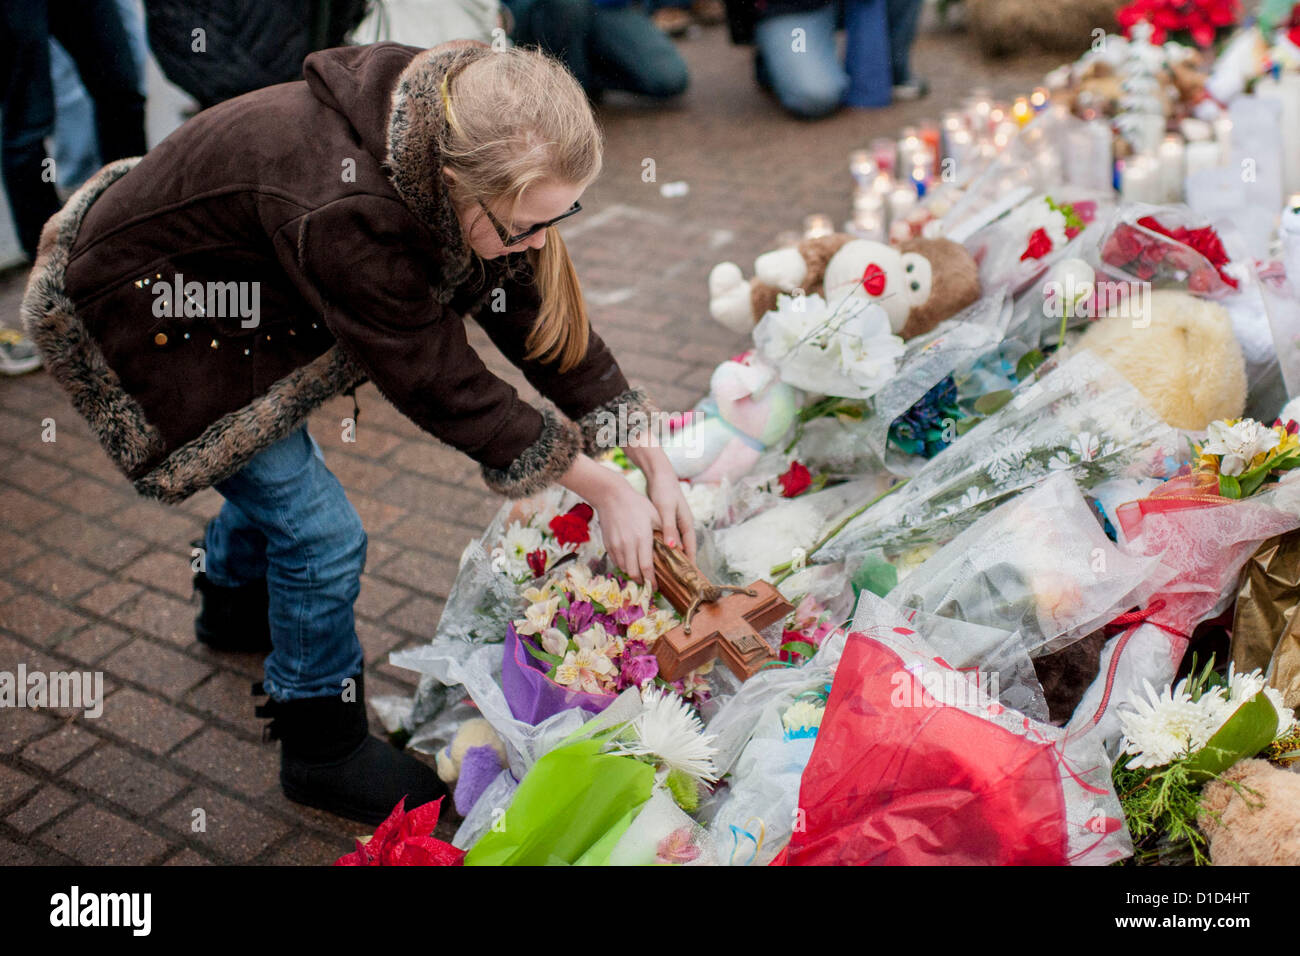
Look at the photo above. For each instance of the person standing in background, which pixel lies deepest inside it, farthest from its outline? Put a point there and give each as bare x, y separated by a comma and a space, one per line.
94, 36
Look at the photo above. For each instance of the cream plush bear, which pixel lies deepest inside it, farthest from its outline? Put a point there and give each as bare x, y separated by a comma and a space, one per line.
1179, 351
918, 284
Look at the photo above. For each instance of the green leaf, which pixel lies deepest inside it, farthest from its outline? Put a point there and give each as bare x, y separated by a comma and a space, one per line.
966, 424
562, 624
1249, 730
598, 607
802, 648
1251, 484
1028, 362
1229, 487
990, 403
540, 654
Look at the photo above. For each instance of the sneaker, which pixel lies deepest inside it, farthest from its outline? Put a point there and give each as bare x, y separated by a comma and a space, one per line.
673, 21
913, 89
709, 13
17, 353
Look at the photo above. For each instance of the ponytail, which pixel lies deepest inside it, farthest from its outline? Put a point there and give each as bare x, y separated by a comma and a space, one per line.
562, 328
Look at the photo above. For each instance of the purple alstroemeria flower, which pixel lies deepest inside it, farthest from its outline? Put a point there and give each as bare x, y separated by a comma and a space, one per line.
579, 615
626, 615
637, 670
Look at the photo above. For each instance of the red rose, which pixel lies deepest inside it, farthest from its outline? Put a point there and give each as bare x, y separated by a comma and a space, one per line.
571, 527
1039, 245
1122, 246
795, 481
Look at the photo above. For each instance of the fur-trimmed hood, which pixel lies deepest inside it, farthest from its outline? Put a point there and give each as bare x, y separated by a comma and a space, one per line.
327, 195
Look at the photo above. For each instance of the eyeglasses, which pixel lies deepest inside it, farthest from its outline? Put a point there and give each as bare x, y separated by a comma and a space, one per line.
509, 240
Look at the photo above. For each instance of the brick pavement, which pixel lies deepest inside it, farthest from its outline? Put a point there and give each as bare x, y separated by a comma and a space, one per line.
93, 576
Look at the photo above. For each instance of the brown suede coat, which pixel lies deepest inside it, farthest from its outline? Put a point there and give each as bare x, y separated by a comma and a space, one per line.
328, 193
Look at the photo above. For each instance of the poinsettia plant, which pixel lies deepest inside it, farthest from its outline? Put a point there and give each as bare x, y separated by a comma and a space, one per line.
405, 839
1200, 21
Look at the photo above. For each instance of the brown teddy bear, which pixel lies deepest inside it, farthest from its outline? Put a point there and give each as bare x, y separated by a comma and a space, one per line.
918, 284
1258, 826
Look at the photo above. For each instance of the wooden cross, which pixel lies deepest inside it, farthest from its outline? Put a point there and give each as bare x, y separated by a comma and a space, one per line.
714, 626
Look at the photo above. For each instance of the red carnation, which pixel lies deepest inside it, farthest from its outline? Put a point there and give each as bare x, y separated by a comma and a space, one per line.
572, 526
1039, 245
795, 481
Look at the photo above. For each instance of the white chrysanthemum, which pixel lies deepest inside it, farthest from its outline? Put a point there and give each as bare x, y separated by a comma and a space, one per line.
1170, 725
1242, 687
671, 735
520, 539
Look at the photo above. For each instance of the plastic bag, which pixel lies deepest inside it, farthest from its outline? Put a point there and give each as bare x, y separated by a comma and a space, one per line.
1039, 565
909, 769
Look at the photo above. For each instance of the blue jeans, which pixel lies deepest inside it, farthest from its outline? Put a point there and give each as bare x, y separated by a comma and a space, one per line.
804, 72
286, 517
797, 59
606, 47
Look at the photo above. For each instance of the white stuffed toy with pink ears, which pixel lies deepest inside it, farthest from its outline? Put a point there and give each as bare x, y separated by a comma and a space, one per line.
748, 409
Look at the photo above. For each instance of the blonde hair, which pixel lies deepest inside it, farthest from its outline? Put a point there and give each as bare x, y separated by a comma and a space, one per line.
515, 118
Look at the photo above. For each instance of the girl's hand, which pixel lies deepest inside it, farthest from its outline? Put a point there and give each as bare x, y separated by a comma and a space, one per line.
675, 518
627, 518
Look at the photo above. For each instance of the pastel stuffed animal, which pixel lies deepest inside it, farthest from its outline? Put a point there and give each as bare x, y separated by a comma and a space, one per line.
748, 409
1179, 351
470, 762
919, 283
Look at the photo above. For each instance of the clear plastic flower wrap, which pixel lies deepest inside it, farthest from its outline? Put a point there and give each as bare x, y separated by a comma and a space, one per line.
748, 550
1205, 540
1019, 248
752, 816
1079, 416
1039, 564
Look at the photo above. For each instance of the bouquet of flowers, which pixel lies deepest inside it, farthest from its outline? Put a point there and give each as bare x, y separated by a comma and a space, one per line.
913, 762
618, 791
1079, 416
584, 638
1204, 539
1178, 739
1150, 245
848, 350
1243, 455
